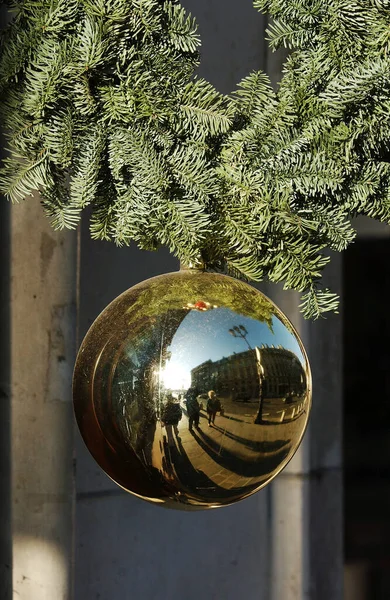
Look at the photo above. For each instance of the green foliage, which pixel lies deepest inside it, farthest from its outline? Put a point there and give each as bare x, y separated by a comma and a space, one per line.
159, 296
103, 108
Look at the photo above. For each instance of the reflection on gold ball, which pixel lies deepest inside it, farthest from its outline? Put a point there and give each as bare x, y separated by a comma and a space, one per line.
192, 390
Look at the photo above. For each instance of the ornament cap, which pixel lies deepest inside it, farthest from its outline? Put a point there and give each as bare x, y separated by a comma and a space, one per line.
195, 265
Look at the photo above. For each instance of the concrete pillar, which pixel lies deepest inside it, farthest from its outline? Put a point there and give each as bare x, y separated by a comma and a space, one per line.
42, 308
37, 351
5, 412
5, 403
306, 498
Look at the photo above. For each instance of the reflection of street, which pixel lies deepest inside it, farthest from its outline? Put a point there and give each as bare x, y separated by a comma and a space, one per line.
274, 410
234, 454
279, 410
176, 466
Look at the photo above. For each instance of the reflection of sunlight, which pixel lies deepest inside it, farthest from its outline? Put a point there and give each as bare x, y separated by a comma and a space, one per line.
40, 569
175, 377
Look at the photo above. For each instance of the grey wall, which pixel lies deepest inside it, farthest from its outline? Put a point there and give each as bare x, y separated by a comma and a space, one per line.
233, 41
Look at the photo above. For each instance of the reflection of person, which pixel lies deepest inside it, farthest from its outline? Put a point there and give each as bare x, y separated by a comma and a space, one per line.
213, 406
171, 416
193, 407
290, 398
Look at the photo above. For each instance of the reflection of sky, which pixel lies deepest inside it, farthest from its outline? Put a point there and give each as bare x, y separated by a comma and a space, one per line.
205, 336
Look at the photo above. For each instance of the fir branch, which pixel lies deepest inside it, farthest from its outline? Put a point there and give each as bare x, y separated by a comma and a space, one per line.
315, 303
182, 28
84, 179
103, 108
204, 110
21, 178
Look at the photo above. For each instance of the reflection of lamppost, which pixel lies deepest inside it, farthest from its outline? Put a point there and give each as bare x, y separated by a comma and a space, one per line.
239, 331
260, 372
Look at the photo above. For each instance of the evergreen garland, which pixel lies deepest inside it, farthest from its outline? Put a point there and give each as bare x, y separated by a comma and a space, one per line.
103, 108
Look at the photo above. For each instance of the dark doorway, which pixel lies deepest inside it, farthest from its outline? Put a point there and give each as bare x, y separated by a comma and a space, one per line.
367, 412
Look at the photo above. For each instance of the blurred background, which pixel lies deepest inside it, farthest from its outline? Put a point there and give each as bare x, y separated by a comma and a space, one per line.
320, 531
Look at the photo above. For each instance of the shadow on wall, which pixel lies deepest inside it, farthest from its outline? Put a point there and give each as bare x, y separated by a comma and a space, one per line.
367, 419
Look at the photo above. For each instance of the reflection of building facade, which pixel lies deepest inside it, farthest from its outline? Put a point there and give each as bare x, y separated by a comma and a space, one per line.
282, 372
238, 376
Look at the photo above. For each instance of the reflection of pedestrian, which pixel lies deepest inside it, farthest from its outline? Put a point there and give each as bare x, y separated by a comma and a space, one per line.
213, 406
193, 407
171, 416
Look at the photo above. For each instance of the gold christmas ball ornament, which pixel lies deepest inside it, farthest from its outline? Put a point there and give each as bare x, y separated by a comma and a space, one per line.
192, 390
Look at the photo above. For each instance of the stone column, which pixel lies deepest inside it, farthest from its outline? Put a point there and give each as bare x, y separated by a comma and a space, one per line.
42, 308
306, 498
5, 412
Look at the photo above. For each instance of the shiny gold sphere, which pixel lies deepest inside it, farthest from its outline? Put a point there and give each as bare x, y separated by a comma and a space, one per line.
192, 390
